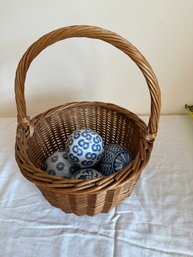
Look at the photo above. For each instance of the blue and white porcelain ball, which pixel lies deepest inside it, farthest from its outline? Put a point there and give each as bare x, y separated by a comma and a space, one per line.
88, 173
84, 147
58, 164
115, 158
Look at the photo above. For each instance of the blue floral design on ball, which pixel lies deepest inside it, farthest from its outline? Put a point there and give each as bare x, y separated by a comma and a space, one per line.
60, 166
83, 144
73, 158
51, 172
96, 148
77, 150
96, 139
87, 163
70, 141
90, 156
76, 134
90, 131
54, 158
86, 135
87, 173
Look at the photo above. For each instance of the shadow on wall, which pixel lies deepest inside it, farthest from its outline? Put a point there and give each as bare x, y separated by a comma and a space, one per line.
41, 102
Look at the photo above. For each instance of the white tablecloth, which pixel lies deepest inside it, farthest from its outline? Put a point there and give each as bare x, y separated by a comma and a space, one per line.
156, 220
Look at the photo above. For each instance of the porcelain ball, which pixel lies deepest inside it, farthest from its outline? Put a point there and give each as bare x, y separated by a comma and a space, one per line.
58, 164
84, 147
115, 158
88, 173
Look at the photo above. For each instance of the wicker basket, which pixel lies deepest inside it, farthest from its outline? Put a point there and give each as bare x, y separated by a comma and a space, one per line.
39, 137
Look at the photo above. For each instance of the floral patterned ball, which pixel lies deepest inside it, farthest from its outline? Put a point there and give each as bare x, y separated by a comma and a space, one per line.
115, 158
88, 173
58, 164
84, 147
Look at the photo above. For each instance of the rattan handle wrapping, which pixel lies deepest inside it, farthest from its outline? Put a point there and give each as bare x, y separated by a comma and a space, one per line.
89, 32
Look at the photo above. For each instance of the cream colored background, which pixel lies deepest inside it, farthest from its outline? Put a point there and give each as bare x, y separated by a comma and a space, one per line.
85, 69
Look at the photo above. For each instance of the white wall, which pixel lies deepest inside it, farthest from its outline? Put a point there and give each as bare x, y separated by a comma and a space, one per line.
84, 69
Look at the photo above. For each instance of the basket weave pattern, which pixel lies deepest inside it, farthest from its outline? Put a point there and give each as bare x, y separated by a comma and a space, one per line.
39, 137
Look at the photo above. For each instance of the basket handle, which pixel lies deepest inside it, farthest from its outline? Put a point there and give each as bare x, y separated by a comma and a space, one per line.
89, 32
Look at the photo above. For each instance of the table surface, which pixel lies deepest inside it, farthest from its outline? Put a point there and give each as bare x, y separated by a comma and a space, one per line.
156, 220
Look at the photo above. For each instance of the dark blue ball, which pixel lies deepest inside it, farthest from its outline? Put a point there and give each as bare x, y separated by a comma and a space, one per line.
115, 158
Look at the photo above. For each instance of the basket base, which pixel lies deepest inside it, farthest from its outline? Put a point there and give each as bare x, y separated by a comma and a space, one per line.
89, 204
